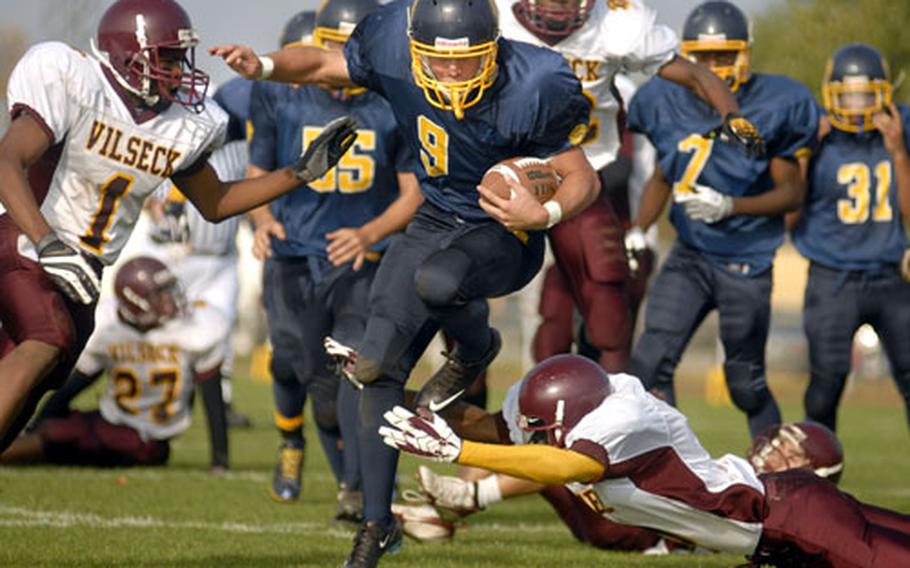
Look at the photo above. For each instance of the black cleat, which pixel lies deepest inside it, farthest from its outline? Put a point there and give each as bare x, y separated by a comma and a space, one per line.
451, 381
371, 542
350, 506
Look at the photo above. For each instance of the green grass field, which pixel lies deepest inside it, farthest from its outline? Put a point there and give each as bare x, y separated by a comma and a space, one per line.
182, 516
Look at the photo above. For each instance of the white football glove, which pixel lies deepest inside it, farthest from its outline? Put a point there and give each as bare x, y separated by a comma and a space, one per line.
69, 270
705, 204
635, 245
323, 153
344, 358
428, 437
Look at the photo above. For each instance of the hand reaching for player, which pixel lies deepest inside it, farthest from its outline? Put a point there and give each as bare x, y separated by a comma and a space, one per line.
262, 238
427, 436
242, 59
521, 212
325, 150
705, 204
346, 245
891, 126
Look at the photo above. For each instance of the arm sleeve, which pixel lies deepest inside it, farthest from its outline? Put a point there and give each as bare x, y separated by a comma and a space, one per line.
543, 464
640, 114
358, 50
656, 48
42, 84
58, 405
262, 114
563, 117
798, 130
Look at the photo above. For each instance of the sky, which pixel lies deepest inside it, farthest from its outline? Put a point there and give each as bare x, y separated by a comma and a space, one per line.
257, 24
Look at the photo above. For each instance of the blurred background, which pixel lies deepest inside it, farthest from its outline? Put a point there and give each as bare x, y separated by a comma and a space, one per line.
793, 37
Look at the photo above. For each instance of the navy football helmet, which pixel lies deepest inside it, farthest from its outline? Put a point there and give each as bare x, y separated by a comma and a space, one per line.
135, 37
857, 85
336, 19
555, 19
458, 33
298, 30
557, 393
719, 26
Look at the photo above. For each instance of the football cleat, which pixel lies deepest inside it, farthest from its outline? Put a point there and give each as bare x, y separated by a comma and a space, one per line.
286, 481
350, 506
371, 542
423, 523
448, 492
451, 381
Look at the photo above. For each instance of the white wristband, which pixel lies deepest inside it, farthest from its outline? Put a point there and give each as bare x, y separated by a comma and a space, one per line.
267, 66
554, 212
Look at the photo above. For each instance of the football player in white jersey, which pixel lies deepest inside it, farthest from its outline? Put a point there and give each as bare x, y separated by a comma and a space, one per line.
634, 459
155, 349
90, 138
599, 40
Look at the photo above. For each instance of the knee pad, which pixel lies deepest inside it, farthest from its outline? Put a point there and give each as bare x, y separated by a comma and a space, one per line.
821, 403
282, 369
325, 413
747, 385
367, 370
438, 280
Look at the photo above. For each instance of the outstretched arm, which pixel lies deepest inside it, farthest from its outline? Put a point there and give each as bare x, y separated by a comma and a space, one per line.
303, 65
210, 385
58, 405
703, 81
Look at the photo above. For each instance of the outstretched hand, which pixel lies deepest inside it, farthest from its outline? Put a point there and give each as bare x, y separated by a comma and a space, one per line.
427, 436
242, 59
325, 150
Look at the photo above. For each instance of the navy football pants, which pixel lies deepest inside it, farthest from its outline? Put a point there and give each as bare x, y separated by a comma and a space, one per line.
836, 304
686, 289
438, 273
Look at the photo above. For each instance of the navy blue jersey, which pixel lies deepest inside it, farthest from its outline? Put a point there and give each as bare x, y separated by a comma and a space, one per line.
357, 190
851, 218
234, 97
675, 119
533, 107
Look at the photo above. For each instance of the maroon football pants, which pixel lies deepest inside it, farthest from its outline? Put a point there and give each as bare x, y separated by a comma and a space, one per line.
812, 523
591, 274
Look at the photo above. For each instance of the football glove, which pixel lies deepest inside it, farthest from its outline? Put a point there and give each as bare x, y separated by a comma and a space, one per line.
343, 360
69, 270
739, 130
323, 153
427, 436
705, 204
635, 245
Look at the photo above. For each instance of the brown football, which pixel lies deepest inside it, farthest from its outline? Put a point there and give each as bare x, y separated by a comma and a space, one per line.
537, 175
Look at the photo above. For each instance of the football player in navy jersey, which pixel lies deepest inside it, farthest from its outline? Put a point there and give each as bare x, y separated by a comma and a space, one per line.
322, 244
465, 99
852, 228
727, 209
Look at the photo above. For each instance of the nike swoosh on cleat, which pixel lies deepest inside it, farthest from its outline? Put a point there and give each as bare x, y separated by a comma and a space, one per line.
385, 541
437, 406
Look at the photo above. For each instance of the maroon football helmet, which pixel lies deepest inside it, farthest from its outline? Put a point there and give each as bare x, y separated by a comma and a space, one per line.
136, 39
557, 393
553, 18
801, 445
148, 293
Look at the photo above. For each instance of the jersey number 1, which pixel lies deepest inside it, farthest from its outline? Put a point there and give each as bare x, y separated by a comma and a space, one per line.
111, 194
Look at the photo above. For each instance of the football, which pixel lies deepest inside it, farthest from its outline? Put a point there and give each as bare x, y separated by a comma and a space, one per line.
537, 175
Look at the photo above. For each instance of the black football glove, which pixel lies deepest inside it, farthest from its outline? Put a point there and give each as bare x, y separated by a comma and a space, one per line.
69, 270
324, 152
739, 130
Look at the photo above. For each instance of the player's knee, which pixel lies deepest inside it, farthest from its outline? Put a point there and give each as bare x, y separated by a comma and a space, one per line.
747, 385
821, 404
367, 370
436, 286
325, 413
282, 370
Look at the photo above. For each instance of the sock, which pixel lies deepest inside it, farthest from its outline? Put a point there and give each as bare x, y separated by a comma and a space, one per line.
488, 491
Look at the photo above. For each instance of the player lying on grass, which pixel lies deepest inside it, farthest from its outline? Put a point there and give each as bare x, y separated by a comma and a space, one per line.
633, 458
155, 351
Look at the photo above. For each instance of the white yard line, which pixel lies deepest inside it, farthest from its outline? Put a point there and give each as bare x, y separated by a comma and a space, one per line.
25, 517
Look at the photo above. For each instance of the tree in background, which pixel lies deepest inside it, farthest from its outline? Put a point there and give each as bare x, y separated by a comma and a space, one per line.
797, 37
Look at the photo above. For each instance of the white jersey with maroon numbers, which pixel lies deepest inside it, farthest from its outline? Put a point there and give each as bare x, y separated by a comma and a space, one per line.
108, 163
612, 40
152, 374
657, 474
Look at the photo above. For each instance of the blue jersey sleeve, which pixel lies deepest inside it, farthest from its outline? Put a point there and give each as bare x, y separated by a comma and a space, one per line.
798, 131
640, 113
563, 114
365, 43
263, 152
